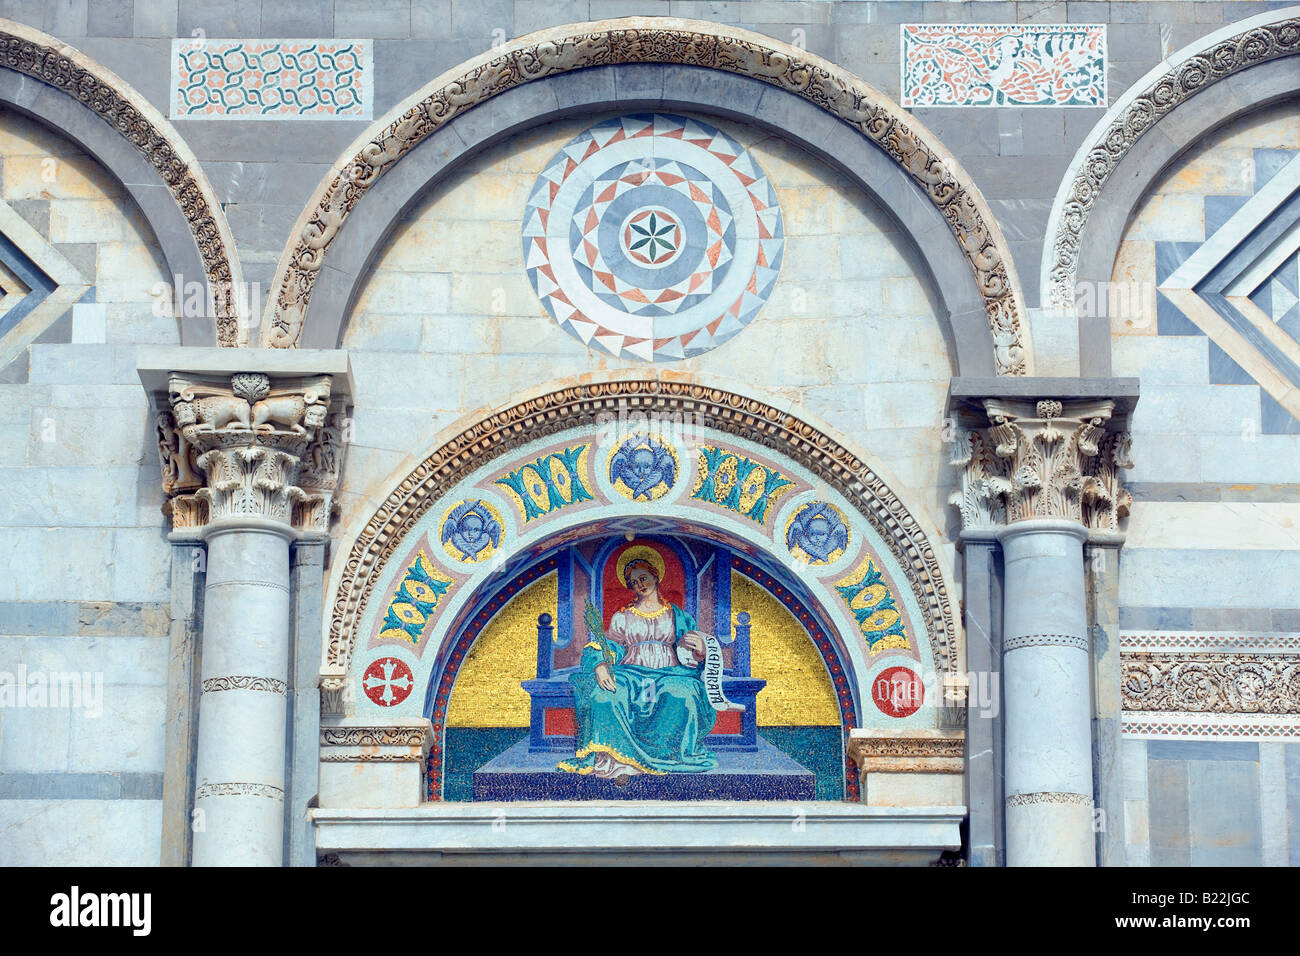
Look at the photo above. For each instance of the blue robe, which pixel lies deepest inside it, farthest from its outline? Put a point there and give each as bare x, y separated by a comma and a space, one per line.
655, 719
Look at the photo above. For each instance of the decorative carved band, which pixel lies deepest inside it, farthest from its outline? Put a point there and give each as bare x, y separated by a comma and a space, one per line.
863, 108
1042, 459
1195, 641
273, 585
1044, 640
1049, 796
1184, 80
268, 684
239, 790
385, 736
1163, 725
953, 746
1210, 683
50, 61
413, 756
581, 404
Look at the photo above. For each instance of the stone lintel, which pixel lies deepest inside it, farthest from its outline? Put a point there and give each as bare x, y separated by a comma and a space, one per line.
155, 365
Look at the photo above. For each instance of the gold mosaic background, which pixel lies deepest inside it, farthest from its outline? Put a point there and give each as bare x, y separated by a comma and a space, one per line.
798, 691
487, 691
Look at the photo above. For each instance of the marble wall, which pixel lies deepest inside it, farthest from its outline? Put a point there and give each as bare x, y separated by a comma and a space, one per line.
1213, 549
84, 561
448, 324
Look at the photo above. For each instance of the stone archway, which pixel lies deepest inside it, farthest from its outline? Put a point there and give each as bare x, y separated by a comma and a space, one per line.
388, 531
656, 62
120, 129
1232, 71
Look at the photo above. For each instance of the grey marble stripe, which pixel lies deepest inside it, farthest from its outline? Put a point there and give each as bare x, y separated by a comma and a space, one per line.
73, 618
1226, 620
81, 786
1207, 491
1202, 750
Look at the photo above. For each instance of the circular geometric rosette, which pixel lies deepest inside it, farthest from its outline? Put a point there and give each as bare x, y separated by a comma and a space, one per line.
653, 236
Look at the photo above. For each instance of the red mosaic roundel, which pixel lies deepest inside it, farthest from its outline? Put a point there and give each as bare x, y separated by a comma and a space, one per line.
388, 681
898, 691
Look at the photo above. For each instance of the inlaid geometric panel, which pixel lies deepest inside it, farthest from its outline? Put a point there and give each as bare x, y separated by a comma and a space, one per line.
271, 79
1240, 287
653, 236
949, 64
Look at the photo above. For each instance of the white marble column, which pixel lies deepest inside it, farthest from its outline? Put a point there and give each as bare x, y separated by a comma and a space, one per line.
1034, 477
250, 462
240, 767
1048, 447
1047, 687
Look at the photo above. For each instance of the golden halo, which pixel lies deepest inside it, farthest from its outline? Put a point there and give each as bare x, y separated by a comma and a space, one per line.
643, 553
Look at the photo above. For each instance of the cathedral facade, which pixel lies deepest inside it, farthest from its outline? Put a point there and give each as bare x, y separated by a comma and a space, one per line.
859, 431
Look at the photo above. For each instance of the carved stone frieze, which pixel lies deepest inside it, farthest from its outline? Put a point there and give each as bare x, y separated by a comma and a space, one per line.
375, 743
934, 170
246, 445
1211, 683
908, 751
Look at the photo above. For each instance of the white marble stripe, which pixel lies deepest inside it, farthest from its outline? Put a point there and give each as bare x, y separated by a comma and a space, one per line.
1272, 803
1211, 525
1233, 232
1282, 249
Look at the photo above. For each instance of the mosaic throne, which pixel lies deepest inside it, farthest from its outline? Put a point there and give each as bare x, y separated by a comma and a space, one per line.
749, 767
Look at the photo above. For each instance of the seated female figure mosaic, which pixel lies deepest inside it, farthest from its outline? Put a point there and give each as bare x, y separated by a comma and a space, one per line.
640, 700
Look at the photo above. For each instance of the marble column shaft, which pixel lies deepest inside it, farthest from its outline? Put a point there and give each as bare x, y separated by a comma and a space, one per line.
240, 772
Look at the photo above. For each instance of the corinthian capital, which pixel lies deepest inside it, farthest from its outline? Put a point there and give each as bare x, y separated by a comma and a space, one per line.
982, 497
249, 445
1046, 445
1041, 448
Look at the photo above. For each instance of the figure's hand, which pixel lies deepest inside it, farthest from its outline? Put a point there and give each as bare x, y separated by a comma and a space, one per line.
694, 643
603, 677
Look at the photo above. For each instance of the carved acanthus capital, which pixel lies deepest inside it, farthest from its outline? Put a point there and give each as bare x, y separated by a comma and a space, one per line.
1050, 448
982, 497
1106, 501
247, 445
1046, 445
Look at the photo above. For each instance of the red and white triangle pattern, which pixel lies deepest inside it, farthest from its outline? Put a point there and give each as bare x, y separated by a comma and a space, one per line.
666, 142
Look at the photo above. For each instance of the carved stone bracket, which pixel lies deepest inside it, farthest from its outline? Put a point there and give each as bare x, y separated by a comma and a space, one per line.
916, 767
375, 765
908, 751
1041, 458
249, 445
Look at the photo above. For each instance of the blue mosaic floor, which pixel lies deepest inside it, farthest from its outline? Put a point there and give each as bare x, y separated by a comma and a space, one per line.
766, 774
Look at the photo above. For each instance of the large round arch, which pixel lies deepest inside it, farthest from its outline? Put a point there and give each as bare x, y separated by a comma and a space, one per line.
656, 63
118, 127
1235, 70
